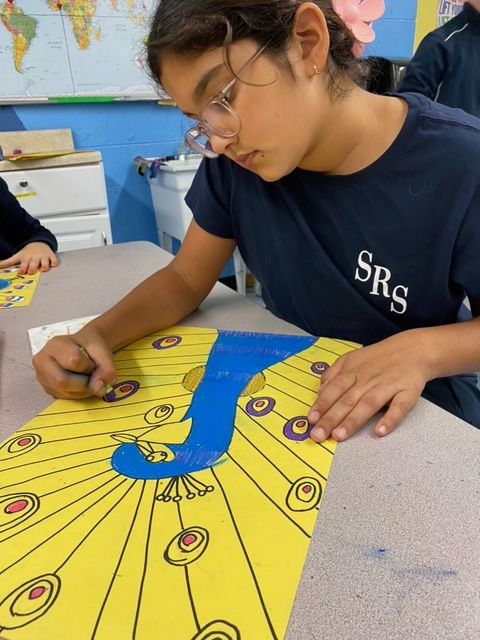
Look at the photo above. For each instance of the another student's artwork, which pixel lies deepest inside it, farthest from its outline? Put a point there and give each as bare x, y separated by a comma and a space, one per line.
39, 336
16, 290
434, 13
179, 506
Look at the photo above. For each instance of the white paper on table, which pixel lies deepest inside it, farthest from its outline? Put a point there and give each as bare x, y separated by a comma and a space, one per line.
39, 336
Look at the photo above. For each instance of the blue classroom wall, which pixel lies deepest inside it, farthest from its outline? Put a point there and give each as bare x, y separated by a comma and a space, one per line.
123, 130
395, 31
120, 131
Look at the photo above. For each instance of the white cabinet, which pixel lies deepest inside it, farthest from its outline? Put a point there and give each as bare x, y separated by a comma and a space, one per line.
70, 200
79, 232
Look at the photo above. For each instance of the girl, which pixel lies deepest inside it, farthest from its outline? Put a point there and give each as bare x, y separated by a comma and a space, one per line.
339, 200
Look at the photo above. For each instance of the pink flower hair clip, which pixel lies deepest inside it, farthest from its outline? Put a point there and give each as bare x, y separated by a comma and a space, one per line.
358, 15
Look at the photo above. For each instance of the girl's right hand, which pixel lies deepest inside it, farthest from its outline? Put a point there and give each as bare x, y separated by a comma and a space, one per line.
75, 366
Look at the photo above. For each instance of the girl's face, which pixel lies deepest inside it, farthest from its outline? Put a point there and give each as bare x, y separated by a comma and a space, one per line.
283, 121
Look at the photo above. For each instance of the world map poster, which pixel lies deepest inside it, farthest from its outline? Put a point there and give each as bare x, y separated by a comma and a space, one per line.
74, 48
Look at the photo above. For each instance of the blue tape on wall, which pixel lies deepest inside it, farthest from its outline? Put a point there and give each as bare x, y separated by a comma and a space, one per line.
9, 121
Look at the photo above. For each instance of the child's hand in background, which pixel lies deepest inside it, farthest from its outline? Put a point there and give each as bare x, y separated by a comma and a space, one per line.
35, 255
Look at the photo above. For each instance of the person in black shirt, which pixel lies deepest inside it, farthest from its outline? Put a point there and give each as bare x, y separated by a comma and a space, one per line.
23, 240
445, 67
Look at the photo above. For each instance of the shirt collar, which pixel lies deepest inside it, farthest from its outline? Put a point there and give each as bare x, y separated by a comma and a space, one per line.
472, 15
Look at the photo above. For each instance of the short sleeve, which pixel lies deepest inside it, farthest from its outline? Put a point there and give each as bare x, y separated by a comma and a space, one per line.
466, 259
209, 197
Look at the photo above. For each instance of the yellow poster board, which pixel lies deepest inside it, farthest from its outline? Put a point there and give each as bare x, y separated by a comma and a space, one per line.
178, 507
434, 13
16, 290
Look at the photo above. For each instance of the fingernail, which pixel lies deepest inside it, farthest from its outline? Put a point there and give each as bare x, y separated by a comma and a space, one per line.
108, 389
314, 417
99, 389
382, 430
319, 434
340, 434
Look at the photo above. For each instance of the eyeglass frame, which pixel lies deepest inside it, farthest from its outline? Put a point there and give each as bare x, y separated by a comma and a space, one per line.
201, 129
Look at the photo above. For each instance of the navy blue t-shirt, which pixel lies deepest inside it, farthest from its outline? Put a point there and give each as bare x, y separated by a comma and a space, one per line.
362, 256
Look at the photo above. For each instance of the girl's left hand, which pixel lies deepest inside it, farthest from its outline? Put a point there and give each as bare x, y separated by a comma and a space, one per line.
33, 256
391, 373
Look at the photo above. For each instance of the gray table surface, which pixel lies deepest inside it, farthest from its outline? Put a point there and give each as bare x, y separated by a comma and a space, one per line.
396, 549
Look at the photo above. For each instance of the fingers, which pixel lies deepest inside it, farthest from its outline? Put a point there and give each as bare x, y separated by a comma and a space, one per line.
335, 400
76, 366
343, 406
24, 263
33, 265
45, 263
350, 413
60, 383
9, 262
68, 370
398, 409
34, 256
102, 370
82, 361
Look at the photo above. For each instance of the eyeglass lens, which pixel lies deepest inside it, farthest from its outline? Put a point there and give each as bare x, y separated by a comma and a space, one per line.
220, 119
198, 141
217, 118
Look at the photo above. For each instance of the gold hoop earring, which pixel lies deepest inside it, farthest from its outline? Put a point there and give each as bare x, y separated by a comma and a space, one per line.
316, 69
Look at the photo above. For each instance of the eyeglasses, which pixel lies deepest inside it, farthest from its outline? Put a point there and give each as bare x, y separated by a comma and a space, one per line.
218, 117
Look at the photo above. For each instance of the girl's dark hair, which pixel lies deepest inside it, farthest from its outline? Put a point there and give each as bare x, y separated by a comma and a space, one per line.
189, 27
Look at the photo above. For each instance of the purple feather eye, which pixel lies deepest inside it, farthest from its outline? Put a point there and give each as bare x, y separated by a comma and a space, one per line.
122, 390
167, 342
297, 428
259, 407
318, 368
